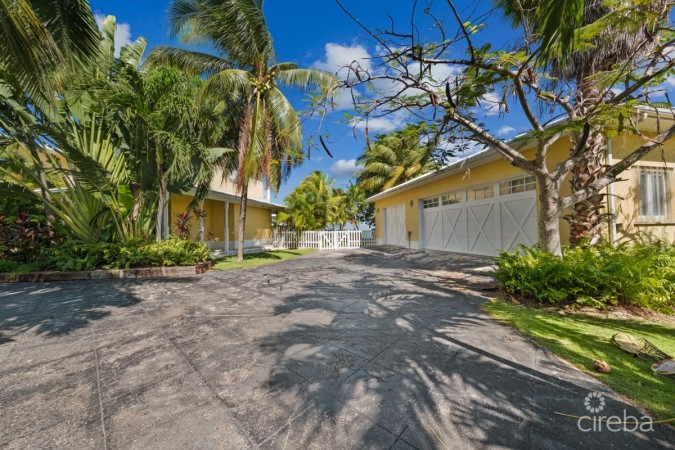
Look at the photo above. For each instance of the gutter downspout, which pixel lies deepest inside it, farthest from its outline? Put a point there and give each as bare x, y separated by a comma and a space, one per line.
612, 201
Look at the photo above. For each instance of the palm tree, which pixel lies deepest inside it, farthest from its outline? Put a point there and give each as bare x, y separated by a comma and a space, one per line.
168, 139
612, 44
393, 159
308, 207
354, 203
38, 38
246, 75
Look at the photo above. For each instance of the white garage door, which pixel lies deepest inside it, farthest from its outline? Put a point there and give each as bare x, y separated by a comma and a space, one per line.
482, 221
394, 225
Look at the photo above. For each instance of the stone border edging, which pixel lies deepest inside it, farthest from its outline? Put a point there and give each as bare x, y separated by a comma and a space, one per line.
139, 272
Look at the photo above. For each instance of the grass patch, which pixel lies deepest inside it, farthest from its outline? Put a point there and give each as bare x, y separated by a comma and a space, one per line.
583, 339
259, 259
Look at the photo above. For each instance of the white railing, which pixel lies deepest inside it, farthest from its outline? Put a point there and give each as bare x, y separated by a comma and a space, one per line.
323, 240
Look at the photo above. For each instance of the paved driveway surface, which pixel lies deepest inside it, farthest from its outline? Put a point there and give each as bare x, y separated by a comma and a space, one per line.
374, 348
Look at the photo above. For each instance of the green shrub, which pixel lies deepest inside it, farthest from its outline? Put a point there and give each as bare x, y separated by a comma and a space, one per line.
599, 276
78, 255
7, 266
173, 251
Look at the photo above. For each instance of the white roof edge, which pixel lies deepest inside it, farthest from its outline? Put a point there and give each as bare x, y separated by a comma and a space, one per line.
489, 151
224, 196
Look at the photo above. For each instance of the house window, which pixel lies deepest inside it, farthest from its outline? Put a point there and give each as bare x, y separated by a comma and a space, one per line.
451, 199
518, 185
481, 192
430, 203
654, 194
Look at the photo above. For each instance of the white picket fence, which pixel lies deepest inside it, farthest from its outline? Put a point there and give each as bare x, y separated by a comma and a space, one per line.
323, 240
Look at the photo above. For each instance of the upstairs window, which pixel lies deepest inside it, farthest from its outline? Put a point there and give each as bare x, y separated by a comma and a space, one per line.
654, 194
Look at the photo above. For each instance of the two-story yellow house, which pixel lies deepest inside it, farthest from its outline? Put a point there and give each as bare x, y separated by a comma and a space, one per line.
222, 214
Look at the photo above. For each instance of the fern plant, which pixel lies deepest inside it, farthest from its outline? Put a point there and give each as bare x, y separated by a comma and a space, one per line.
599, 276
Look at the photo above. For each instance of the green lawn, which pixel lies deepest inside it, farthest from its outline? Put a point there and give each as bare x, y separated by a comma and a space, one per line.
583, 339
259, 259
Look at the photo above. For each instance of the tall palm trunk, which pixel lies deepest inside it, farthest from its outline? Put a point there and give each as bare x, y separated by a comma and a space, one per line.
242, 222
587, 217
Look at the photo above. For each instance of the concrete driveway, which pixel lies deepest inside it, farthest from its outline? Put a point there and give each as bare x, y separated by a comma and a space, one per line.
377, 348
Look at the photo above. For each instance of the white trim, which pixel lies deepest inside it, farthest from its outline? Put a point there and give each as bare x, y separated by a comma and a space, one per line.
225, 197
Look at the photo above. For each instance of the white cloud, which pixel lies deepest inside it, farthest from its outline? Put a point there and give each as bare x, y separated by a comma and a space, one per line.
505, 130
384, 124
345, 167
122, 34
338, 56
491, 103
342, 99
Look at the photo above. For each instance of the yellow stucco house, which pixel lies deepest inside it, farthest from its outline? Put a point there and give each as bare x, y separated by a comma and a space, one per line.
481, 204
222, 215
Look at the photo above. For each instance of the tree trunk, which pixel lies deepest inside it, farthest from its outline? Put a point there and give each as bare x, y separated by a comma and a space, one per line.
242, 222
161, 203
549, 216
44, 193
201, 222
586, 218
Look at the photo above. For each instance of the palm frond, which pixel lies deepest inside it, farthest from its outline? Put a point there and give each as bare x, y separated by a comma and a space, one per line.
236, 27
228, 83
308, 79
188, 60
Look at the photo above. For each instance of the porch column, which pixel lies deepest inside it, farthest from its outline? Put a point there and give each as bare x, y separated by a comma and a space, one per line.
227, 228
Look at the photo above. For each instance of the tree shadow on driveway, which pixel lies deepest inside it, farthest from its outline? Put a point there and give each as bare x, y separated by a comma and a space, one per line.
400, 360
61, 308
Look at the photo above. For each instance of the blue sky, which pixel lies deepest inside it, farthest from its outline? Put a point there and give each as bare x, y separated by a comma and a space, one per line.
316, 34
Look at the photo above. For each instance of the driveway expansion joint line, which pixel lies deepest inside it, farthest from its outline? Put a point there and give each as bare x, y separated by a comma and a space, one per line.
100, 400
344, 404
202, 380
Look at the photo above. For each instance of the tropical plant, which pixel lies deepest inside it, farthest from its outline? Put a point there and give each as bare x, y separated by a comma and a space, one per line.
600, 276
350, 206
245, 73
86, 177
309, 206
614, 43
316, 205
39, 38
78, 255
120, 141
394, 158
